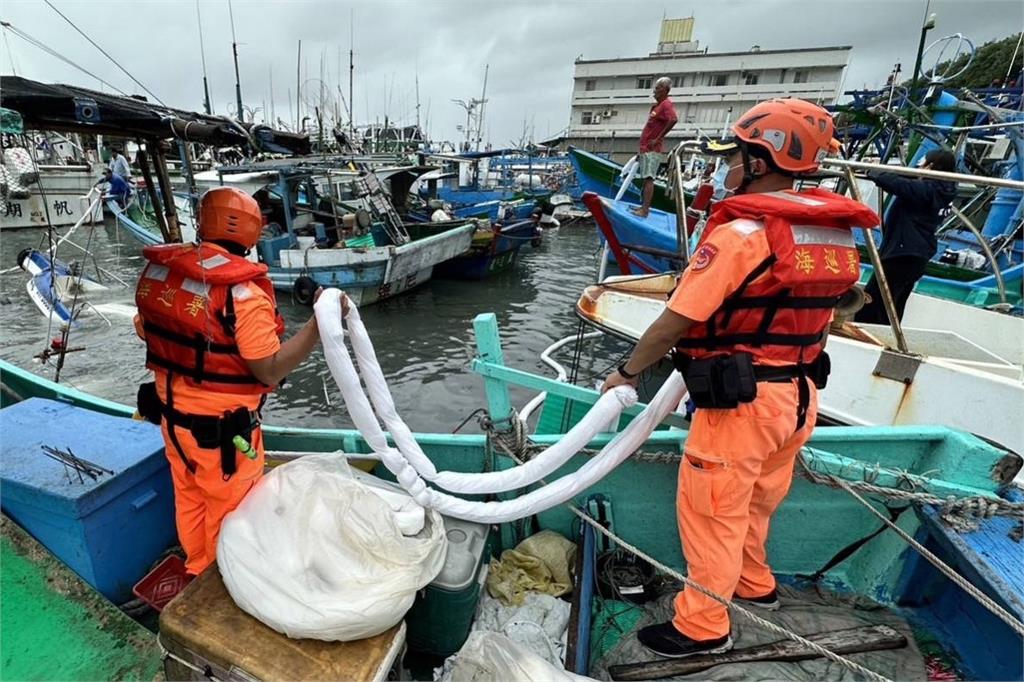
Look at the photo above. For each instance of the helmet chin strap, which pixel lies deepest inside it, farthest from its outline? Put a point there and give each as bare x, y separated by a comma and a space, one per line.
748, 172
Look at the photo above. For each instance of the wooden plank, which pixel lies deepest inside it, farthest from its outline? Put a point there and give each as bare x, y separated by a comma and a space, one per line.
848, 641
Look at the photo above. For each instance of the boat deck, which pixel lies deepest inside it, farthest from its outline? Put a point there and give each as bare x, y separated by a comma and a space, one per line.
56, 627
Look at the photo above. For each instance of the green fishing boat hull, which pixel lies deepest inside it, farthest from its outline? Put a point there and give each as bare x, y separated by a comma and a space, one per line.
601, 176
813, 523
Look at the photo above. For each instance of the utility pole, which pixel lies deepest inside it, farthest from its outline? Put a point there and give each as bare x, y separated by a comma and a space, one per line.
234, 50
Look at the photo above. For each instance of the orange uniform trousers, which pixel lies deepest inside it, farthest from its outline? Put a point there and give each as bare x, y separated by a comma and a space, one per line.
737, 468
202, 499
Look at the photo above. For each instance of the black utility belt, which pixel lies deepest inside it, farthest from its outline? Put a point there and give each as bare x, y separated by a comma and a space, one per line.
209, 432
725, 381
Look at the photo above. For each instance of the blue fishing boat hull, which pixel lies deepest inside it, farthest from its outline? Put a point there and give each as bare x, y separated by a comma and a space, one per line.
499, 254
519, 209
657, 230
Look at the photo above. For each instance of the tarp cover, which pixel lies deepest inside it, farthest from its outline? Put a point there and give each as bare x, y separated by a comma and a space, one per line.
72, 109
802, 612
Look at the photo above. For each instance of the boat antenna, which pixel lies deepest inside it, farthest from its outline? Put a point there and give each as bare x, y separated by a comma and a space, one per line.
351, 73
234, 50
202, 54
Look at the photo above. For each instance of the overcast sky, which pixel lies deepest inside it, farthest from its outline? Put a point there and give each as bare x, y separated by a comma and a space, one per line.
529, 46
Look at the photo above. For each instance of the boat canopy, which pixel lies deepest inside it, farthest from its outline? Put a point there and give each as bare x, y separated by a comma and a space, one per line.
69, 108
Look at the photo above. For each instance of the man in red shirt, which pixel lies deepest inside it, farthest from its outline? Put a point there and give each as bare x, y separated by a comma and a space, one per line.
661, 120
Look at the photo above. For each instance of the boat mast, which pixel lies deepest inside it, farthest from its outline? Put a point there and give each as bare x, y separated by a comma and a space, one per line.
202, 53
298, 86
480, 112
234, 50
351, 71
417, 100
273, 113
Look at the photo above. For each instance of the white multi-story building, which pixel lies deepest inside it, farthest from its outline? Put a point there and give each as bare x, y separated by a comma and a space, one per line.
611, 98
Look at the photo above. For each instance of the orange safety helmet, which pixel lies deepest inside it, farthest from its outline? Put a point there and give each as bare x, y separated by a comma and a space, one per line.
231, 214
797, 133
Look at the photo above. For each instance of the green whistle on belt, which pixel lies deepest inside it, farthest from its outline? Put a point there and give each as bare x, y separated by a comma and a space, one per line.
244, 447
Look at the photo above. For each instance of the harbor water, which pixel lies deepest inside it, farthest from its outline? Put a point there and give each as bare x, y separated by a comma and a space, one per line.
424, 339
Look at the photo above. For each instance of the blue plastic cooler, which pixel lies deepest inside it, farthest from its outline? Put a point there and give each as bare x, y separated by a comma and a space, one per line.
109, 531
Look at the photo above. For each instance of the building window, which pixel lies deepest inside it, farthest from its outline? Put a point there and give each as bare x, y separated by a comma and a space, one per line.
750, 78
718, 79
782, 75
644, 82
587, 118
800, 76
677, 81
590, 84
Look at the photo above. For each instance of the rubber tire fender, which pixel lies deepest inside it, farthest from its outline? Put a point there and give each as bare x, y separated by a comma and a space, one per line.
303, 290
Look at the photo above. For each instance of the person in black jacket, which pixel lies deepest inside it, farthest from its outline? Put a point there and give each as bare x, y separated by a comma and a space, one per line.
908, 234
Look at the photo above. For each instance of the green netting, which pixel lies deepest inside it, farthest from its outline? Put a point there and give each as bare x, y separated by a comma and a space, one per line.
10, 122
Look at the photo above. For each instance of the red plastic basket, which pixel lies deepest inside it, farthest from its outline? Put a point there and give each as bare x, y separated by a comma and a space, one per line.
163, 583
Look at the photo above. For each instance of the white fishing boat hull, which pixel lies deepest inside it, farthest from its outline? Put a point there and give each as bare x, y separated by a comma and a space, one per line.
953, 382
373, 273
57, 198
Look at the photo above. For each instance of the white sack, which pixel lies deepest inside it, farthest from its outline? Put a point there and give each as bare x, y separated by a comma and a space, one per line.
315, 552
490, 656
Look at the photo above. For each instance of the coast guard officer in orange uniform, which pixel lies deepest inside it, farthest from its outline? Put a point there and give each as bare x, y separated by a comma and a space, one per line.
213, 340
746, 326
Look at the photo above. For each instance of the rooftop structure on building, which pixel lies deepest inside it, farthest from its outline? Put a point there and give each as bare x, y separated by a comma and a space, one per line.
611, 98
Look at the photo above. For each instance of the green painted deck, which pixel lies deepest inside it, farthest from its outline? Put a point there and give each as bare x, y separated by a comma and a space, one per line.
55, 627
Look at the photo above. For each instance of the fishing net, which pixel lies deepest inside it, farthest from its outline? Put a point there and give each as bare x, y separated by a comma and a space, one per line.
10, 122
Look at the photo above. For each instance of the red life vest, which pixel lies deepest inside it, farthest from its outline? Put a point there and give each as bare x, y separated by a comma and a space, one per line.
188, 314
783, 315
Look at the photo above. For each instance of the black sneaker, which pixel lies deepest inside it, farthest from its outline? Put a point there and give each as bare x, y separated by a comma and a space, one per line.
664, 640
768, 602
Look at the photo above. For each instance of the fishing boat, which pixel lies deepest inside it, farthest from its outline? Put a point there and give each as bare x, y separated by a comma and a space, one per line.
604, 177
946, 378
494, 248
466, 181
314, 240
651, 245
636, 502
43, 182
55, 287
